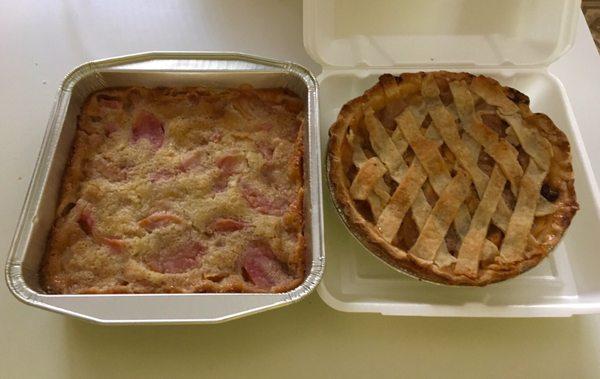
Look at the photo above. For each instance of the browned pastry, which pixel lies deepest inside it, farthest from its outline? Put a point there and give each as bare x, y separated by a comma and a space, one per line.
181, 190
450, 177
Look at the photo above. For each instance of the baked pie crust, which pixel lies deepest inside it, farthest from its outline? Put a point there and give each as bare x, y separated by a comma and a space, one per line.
450, 177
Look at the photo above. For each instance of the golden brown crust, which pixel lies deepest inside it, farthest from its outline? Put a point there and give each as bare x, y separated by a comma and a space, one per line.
547, 229
179, 190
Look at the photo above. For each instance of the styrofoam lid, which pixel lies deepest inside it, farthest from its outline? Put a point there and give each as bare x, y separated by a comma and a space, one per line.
386, 33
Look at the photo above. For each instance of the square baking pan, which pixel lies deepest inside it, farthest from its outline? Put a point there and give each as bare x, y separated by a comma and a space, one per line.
169, 69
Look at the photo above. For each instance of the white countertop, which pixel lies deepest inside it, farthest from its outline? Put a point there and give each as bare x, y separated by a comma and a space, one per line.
42, 40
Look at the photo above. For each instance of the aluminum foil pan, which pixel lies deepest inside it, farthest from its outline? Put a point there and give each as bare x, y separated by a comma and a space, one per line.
152, 69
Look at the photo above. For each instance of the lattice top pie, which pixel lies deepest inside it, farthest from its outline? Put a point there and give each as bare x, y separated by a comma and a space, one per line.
451, 177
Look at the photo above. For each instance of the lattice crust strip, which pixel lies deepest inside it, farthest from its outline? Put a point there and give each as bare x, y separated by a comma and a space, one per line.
384, 147
461, 129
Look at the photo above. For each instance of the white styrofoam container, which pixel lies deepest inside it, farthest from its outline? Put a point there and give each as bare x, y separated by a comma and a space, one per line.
513, 41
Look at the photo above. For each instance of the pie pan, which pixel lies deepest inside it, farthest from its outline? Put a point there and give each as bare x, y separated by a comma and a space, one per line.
170, 69
379, 214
